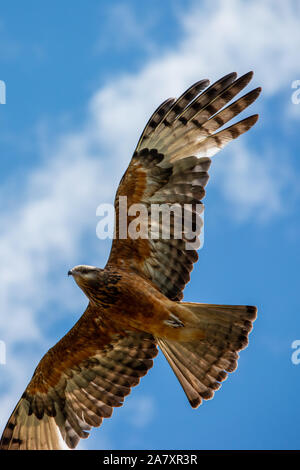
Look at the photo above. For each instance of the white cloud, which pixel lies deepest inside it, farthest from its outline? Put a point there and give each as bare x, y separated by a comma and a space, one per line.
250, 185
140, 411
57, 204
235, 35
131, 29
216, 40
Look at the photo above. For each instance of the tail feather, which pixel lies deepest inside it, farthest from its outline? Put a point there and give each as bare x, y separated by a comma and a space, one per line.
201, 365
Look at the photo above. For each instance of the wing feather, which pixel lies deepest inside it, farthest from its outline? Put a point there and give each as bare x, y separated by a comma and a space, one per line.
169, 169
65, 399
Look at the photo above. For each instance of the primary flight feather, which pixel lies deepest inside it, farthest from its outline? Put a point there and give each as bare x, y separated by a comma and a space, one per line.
135, 301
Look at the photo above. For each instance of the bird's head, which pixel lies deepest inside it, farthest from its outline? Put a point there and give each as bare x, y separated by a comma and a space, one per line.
85, 276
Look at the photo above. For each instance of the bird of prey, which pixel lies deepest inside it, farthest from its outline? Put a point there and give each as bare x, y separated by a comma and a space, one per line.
135, 302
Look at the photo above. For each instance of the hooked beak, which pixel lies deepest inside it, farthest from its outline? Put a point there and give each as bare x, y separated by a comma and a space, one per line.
70, 273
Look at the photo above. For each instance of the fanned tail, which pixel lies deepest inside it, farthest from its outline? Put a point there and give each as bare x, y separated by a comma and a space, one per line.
201, 365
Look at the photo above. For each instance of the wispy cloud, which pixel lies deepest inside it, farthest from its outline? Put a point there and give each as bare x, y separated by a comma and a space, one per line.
232, 34
140, 411
123, 29
251, 185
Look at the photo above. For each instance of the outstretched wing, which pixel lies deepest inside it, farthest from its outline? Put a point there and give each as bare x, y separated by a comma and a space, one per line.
77, 384
169, 167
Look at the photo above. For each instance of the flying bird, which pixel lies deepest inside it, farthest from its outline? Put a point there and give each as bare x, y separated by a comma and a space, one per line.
135, 302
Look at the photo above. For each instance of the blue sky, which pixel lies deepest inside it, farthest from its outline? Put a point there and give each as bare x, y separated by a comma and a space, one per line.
81, 82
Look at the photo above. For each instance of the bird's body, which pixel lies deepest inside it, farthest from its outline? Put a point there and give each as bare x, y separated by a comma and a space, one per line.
135, 302
126, 301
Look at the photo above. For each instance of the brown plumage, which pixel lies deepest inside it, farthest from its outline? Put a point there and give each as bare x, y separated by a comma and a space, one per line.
134, 302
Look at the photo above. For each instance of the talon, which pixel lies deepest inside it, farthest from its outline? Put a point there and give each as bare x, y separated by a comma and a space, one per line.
174, 322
